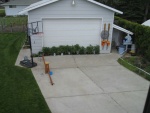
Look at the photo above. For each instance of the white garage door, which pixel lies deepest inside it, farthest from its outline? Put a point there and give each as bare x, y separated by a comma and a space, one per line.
71, 31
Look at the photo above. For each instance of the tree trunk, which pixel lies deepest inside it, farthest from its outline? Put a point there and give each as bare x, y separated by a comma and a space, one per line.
146, 12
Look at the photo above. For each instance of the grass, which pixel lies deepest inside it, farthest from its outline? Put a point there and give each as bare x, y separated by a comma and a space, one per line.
139, 62
19, 92
18, 20
134, 69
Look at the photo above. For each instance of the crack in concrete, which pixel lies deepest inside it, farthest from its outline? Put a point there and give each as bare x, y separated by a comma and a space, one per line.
92, 80
117, 103
75, 61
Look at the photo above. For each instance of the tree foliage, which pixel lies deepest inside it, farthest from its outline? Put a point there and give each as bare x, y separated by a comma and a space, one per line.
134, 10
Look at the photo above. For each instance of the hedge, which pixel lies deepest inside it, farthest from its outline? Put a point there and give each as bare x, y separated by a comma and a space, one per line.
74, 49
2, 12
141, 36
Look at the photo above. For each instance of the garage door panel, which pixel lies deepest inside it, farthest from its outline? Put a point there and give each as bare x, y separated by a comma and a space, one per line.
66, 38
74, 42
73, 24
71, 27
73, 21
71, 31
63, 33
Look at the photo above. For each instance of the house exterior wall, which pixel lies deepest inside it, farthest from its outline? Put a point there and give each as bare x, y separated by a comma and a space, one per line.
117, 37
36, 43
13, 11
81, 9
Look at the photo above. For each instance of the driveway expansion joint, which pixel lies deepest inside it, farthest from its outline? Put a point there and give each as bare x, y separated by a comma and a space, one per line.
125, 91
118, 103
76, 95
92, 80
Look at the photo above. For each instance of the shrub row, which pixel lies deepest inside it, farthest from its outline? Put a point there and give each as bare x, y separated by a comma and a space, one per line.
2, 13
74, 49
141, 36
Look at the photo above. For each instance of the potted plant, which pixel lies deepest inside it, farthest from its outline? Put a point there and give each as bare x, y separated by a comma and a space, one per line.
77, 48
97, 49
53, 50
73, 50
61, 50
89, 49
82, 50
68, 49
132, 53
46, 51
94, 50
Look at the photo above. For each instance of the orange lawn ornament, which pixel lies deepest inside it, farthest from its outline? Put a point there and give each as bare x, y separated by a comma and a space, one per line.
108, 43
103, 43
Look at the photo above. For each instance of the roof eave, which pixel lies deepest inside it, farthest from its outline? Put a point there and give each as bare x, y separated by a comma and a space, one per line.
105, 6
16, 5
42, 3
122, 29
48, 2
4, 4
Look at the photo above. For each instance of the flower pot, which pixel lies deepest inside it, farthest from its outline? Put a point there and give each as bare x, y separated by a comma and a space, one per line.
77, 52
94, 52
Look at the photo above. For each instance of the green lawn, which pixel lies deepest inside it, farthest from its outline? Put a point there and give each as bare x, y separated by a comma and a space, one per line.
139, 62
132, 67
18, 20
19, 92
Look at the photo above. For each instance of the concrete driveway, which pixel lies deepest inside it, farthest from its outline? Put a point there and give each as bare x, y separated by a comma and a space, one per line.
91, 84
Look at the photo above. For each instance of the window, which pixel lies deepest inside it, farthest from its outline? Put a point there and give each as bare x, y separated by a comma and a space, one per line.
12, 6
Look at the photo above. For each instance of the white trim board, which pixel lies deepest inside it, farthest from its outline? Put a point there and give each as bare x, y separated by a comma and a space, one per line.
46, 2
105, 6
72, 18
37, 5
122, 29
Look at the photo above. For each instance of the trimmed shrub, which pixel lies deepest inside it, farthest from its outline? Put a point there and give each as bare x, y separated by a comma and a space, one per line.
53, 50
2, 13
77, 48
68, 49
74, 49
97, 49
46, 51
89, 49
61, 49
82, 50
